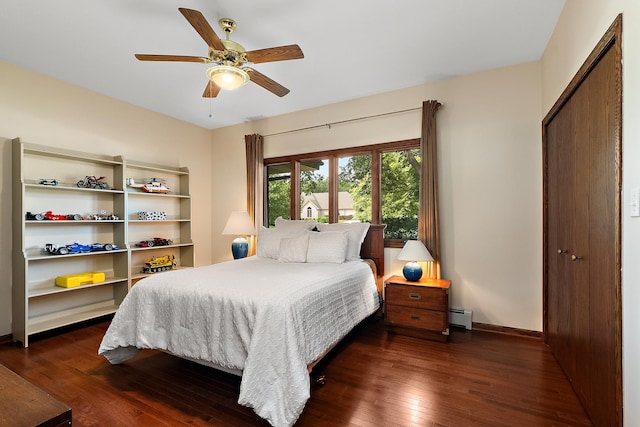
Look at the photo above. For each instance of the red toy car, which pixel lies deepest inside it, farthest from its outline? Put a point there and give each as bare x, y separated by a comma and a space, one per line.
157, 241
57, 217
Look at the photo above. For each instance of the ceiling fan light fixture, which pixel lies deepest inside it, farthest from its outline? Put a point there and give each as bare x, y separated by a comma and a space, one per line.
227, 77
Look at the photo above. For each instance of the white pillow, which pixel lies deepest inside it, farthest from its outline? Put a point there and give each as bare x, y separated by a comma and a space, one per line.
268, 245
294, 248
330, 246
294, 224
357, 233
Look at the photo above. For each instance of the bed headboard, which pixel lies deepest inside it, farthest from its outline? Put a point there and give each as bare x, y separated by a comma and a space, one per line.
373, 247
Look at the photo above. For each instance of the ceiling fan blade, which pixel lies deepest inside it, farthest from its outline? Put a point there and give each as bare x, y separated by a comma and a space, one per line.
271, 54
211, 91
200, 24
175, 58
264, 81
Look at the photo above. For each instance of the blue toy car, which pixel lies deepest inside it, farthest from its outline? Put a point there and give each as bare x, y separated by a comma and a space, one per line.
70, 248
96, 247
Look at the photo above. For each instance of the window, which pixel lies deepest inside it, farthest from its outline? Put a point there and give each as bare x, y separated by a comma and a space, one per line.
400, 193
377, 183
278, 188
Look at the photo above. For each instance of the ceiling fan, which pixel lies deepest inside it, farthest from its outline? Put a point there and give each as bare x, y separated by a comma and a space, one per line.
230, 58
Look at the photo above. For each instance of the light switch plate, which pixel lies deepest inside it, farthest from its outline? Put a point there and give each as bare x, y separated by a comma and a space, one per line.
635, 202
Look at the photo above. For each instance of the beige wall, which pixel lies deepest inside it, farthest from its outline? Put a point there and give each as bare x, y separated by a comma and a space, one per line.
45, 111
581, 25
490, 179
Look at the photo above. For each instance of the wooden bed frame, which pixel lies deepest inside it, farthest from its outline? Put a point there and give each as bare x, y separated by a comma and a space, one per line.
373, 249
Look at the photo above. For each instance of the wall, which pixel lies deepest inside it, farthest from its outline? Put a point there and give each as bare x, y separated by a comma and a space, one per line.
45, 111
490, 179
581, 25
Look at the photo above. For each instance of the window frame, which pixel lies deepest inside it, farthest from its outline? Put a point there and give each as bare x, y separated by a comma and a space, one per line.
374, 150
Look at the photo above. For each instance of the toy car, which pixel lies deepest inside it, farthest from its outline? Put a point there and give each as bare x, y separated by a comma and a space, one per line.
157, 264
96, 247
69, 248
93, 182
155, 187
102, 216
33, 217
157, 241
48, 181
59, 217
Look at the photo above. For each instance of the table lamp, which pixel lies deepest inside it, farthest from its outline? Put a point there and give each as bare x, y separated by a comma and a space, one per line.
413, 251
239, 223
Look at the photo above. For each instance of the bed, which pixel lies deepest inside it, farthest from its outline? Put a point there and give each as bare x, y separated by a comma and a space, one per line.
268, 318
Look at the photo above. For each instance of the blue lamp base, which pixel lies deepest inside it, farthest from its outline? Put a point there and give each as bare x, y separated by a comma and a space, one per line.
240, 248
412, 271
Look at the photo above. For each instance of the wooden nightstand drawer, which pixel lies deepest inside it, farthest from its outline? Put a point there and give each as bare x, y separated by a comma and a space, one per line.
398, 315
419, 309
417, 296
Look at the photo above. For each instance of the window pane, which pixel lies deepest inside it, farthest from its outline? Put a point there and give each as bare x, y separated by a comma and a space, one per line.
278, 192
400, 193
314, 190
354, 188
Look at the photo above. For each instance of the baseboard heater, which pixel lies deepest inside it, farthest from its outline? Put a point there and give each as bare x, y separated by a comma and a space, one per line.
460, 317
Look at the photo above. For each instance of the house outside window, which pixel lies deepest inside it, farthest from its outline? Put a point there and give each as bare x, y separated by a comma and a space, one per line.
377, 183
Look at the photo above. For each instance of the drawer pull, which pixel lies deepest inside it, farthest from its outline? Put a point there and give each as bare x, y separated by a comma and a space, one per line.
414, 296
414, 317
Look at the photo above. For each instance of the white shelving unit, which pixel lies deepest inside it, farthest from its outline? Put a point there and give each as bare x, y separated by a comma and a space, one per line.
177, 225
39, 305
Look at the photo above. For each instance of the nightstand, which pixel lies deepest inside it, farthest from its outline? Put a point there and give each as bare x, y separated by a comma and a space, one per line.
419, 309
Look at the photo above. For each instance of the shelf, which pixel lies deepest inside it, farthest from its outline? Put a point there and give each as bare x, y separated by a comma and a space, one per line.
74, 222
69, 317
155, 221
53, 289
52, 257
169, 195
70, 187
138, 276
64, 154
157, 168
135, 248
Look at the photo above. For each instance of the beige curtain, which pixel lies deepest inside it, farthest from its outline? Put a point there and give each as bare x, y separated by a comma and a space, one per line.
255, 168
428, 224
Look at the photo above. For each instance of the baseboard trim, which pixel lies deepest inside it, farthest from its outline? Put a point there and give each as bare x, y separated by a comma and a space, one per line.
505, 330
4, 339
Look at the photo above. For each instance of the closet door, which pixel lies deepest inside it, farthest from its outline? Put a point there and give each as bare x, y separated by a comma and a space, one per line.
605, 318
582, 216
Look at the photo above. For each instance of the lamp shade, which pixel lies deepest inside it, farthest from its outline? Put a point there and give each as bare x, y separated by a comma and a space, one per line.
239, 223
413, 251
227, 77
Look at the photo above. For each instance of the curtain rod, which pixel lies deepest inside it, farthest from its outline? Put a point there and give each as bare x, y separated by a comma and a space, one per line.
328, 125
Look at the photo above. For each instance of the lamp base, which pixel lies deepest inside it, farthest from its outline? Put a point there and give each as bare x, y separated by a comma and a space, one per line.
412, 271
240, 248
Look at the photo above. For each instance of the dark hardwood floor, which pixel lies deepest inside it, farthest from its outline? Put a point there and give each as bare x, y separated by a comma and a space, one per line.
373, 379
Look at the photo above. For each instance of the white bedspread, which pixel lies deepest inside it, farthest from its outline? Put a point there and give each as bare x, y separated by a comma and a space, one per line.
262, 317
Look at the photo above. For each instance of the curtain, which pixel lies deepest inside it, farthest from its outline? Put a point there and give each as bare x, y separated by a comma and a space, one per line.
255, 167
428, 224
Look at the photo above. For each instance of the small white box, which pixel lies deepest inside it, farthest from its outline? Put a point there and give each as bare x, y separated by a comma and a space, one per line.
152, 216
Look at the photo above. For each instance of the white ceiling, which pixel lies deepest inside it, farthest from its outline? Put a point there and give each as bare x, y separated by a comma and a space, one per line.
350, 47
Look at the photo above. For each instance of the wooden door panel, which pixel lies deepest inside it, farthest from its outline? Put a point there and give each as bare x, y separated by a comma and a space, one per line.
604, 214
583, 319
579, 245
